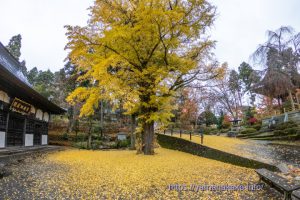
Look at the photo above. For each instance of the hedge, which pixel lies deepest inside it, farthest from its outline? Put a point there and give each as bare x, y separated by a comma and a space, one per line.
248, 130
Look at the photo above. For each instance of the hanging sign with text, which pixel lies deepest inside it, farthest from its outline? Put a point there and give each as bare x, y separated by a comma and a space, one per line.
20, 106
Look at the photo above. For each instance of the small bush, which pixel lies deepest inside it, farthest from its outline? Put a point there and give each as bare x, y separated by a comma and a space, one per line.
256, 126
291, 131
279, 132
80, 145
226, 124
65, 136
209, 130
123, 143
224, 130
248, 130
96, 144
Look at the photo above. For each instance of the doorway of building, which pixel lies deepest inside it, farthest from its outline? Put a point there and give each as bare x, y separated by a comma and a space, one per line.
15, 130
37, 134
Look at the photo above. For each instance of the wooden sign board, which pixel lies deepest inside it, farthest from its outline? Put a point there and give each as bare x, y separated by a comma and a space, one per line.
20, 106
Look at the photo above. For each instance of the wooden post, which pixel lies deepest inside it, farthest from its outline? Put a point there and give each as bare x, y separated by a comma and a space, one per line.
6, 128
164, 131
24, 130
180, 132
172, 131
190, 135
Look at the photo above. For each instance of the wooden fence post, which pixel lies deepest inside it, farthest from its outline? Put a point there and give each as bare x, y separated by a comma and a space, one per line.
172, 132
164, 131
190, 135
180, 132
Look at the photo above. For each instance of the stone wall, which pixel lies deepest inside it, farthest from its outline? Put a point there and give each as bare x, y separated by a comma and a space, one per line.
292, 116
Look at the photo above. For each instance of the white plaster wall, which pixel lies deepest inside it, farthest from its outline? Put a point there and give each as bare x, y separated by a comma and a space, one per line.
32, 110
46, 117
28, 140
44, 139
4, 97
2, 139
39, 114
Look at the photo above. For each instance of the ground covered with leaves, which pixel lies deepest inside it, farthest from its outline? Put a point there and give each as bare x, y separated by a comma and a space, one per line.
222, 143
83, 174
263, 151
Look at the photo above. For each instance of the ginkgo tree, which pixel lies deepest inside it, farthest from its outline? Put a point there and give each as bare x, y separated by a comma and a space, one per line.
141, 52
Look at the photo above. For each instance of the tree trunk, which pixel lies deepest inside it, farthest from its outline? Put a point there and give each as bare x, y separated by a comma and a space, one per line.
89, 144
292, 100
71, 120
101, 118
148, 138
132, 134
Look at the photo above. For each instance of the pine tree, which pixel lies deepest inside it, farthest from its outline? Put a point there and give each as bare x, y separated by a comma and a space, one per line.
14, 46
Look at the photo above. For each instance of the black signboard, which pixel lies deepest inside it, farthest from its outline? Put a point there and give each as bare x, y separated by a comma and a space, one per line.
20, 106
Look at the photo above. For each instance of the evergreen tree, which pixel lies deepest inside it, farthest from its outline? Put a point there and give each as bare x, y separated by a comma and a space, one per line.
14, 46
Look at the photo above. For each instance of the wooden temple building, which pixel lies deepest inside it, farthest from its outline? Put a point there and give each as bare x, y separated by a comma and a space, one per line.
24, 113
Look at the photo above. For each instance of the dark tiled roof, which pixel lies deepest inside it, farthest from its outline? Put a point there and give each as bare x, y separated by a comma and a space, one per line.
10, 63
13, 81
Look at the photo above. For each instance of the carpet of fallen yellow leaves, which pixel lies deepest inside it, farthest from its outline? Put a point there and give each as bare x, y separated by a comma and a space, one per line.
83, 174
227, 144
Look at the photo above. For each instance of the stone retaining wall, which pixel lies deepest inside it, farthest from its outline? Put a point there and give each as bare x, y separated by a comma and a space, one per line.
180, 144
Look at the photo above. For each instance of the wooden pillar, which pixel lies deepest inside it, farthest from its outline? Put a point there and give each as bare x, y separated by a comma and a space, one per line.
6, 128
190, 135
24, 130
180, 132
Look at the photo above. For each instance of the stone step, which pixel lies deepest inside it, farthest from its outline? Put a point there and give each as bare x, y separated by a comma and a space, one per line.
20, 154
288, 137
260, 136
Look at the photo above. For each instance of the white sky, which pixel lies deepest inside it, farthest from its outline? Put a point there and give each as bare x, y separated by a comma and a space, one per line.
240, 26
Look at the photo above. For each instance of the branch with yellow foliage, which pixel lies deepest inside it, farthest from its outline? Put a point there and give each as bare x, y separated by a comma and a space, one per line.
141, 52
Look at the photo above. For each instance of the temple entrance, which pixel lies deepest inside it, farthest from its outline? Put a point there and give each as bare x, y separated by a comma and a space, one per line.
37, 134
15, 130
3, 118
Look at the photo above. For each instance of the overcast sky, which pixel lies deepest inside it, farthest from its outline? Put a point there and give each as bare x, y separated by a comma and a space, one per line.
240, 26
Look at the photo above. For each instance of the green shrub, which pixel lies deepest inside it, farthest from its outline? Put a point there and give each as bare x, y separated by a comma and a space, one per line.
248, 130
209, 130
123, 143
291, 131
65, 136
224, 130
256, 126
80, 145
279, 132
285, 125
226, 124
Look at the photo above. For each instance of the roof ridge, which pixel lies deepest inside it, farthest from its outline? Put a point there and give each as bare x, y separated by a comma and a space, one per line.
12, 64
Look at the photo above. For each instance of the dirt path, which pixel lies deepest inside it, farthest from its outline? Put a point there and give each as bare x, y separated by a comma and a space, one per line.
272, 153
